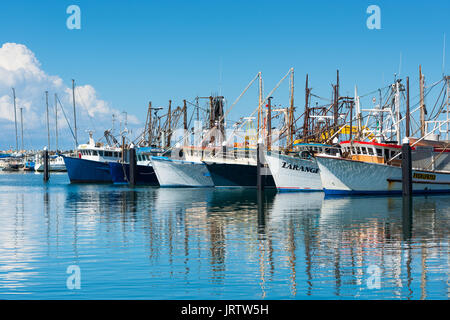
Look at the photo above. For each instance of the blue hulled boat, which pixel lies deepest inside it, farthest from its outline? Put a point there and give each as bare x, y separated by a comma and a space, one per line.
91, 165
120, 174
145, 174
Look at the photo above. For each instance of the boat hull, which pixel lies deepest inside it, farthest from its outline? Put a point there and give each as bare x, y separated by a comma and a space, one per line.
181, 173
237, 175
343, 177
87, 171
51, 167
294, 173
120, 173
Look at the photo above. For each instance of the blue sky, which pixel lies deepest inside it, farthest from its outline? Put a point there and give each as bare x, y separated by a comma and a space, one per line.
132, 52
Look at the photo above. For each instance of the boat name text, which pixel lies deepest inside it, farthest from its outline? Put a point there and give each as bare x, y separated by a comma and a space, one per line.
291, 166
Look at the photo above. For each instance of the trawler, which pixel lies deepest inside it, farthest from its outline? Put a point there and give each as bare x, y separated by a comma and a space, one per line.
145, 174
295, 168
179, 165
91, 163
187, 172
298, 172
374, 167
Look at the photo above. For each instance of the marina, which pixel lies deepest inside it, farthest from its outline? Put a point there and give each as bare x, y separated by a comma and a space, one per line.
310, 212
226, 157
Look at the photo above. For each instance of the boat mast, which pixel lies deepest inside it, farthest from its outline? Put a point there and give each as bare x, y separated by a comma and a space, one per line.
74, 113
381, 113
291, 113
336, 102
269, 124
358, 114
15, 117
407, 131
56, 121
397, 110
306, 115
21, 127
48, 125
260, 104
185, 124
169, 120
422, 103
447, 78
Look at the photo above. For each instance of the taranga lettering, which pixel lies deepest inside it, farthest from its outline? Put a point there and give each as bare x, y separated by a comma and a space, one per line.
424, 176
291, 166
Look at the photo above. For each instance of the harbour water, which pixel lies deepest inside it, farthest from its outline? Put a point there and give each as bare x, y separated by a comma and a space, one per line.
162, 243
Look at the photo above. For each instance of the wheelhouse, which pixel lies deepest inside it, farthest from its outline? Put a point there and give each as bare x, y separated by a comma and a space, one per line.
372, 152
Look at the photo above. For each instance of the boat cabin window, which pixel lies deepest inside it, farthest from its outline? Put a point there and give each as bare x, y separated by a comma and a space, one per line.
364, 150
370, 151
379, 152
101, 153
94, 152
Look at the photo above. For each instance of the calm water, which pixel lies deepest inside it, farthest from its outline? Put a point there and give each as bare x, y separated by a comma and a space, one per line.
152, 243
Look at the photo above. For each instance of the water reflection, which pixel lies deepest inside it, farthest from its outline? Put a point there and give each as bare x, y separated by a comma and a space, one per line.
220, 243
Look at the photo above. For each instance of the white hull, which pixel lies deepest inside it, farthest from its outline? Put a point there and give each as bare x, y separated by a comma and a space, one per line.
342, 176
294, 173
51, 167
56, 167
181, 173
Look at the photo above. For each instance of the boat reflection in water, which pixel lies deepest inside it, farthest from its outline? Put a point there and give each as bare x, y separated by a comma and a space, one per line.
184, 243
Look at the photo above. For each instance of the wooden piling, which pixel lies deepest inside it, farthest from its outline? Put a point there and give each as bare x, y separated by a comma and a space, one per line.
46, 165
259, 183
406, 169
132, 166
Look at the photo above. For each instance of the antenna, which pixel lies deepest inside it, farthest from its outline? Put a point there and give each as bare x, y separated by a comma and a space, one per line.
220, 76
443, 58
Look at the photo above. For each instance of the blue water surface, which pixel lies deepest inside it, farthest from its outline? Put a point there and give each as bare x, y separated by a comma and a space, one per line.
162, 243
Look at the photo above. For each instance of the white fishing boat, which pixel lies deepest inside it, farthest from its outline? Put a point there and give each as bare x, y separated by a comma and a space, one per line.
298, 172
181, 171
55, 163
371, 167
375, 168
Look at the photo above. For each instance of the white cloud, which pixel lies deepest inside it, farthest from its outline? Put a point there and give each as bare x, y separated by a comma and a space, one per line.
20, 69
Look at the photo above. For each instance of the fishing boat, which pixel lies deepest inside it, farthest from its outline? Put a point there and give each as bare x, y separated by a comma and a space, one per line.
181, 169
298, 172
375, 168
182, 166
238, 169
55, 163
91, 163
12, 166
145, 174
